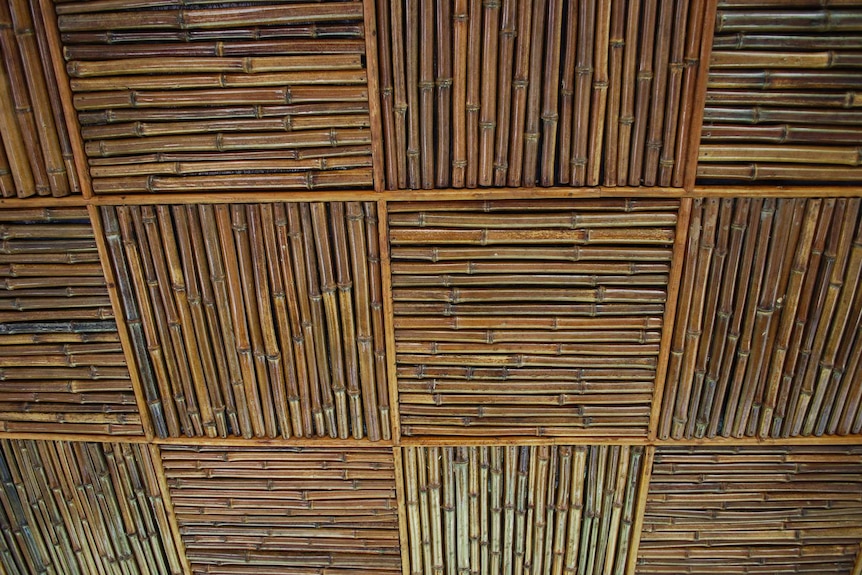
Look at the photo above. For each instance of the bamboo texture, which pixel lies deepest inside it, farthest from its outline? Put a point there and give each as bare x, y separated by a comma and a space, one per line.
781, 101
62, 367
553, 101
752, 510
254, 320
531, 510
35, 152
76, 508
528, 318
285, 510
164, 110
767, 338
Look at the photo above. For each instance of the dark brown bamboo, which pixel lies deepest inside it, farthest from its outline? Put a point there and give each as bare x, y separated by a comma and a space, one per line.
443, 82
645, 77
508, 28
584, 78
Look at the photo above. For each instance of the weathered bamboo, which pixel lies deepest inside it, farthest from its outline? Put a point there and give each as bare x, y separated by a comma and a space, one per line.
599, 99
460, 18
508, 28
443, 82
520, 85
411, 39
584, 77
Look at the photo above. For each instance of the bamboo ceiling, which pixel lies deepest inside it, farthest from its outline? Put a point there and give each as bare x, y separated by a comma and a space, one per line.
430, 287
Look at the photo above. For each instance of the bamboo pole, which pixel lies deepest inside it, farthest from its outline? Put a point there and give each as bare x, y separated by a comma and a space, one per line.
374, 112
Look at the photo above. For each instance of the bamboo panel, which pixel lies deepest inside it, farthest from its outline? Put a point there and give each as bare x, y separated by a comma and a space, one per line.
35, 152
62, 368
76, 508
539, 318
537, 93
168, 94
752, 510
768, 335
303, 511
255, 320
782, 97
545, 509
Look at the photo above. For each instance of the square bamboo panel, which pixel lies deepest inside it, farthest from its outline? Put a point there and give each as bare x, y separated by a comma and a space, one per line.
268, 511
259, 320
35, 152
83, 508
530, 318
62, 367
747, 510
522, 509
537, 92
782, 102
196, 96
768, 336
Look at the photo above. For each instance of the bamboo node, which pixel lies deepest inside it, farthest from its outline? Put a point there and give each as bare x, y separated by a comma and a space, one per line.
444, 83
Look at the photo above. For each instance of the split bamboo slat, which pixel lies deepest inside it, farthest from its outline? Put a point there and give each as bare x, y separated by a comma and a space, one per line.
35, 153
62, 368
303, 511
83, 508
537, 92
255, 320
193, 96
529, 510
529, 318
768, 336
783, 102
746, 510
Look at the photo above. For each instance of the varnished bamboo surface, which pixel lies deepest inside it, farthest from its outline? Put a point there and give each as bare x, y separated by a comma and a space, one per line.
529, 318
303, 511
526, 510
255, 320
62, 367
82, 508
753, 510
196, 96
783, 103
768, 336
537, 92
35, 152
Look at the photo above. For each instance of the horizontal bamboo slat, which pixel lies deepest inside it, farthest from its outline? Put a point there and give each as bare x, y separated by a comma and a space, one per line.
529, 318
62, 368
303, 511
538, 92
35, 152
72, 508
531, 510
255, 320
782, 102
735, 510
768, 337
168, 94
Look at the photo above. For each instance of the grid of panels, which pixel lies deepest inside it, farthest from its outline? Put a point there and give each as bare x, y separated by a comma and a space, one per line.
538, 318
193, 96
304, 511
62, 367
